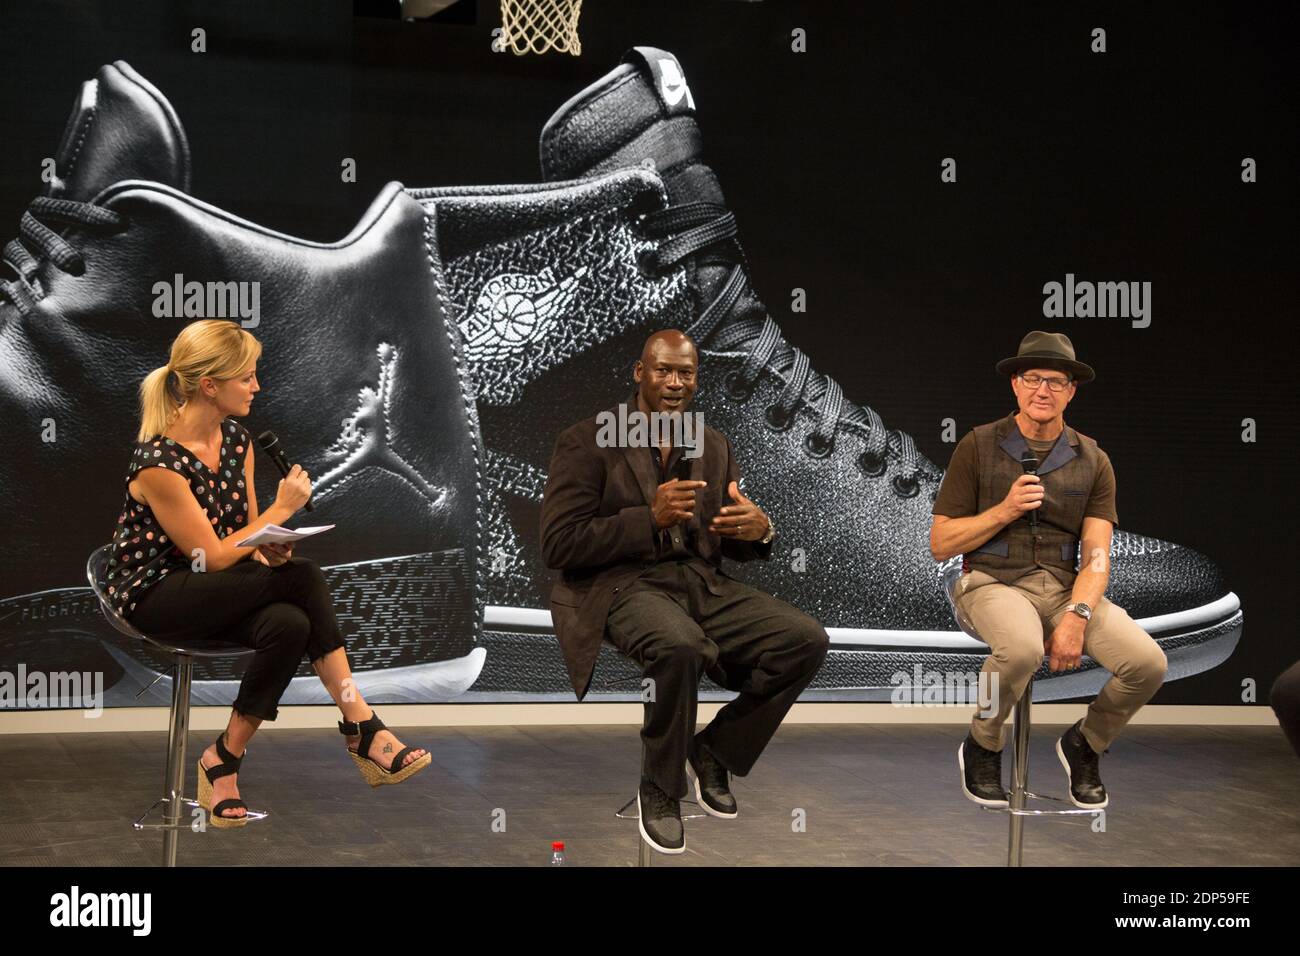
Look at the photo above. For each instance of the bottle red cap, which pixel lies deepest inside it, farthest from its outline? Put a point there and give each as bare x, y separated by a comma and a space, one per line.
557, 845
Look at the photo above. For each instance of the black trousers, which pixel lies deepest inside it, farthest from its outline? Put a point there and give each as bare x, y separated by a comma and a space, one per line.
675, 629
284, 613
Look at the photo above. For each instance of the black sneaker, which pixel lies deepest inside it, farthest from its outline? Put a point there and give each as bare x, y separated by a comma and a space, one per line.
711, 782
555, 287
1082, 768
361, 380
981, 773
659, 818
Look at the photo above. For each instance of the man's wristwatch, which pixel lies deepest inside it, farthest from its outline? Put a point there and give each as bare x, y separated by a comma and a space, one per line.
1080, 609
771, 533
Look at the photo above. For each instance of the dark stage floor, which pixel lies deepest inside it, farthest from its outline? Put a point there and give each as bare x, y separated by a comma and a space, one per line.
871, 796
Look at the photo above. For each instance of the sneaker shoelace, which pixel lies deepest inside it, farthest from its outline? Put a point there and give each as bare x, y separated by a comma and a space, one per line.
986, 766
689, 228
1089, 762
37, 241
661, 805
713, 775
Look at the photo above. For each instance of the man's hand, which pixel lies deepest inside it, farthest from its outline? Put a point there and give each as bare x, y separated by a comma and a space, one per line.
1025, 494
273, 555
743, 521
1065, 646
675, 502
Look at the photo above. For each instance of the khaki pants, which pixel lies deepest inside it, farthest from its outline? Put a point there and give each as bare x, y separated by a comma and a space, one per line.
1015, 622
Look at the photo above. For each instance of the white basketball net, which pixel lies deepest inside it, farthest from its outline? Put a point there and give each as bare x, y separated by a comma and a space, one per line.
535, 26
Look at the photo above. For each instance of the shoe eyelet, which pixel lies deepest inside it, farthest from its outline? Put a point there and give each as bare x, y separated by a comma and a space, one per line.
642, 204
818, 447
906, 487
736, 389
647, 263
871, 466
777, 421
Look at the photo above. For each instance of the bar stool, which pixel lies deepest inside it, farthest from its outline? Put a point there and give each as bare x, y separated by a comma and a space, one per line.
182, 656
1019, 795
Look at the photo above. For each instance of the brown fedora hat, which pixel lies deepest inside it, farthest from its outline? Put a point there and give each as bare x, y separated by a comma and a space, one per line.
1047, 350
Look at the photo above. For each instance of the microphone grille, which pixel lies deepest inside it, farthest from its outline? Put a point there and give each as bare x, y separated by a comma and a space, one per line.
267, 440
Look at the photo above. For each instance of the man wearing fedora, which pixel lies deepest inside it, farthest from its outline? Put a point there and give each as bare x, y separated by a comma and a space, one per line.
1020, 534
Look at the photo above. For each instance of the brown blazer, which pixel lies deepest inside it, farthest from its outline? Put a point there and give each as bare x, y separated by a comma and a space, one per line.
598, 530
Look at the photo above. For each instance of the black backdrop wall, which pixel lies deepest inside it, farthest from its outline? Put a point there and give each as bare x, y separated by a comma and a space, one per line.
1123, 165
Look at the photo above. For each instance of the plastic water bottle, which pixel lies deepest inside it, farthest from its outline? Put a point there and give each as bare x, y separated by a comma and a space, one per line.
557, 853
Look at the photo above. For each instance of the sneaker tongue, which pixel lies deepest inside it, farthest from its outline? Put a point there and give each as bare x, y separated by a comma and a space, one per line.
641, 110
121, 127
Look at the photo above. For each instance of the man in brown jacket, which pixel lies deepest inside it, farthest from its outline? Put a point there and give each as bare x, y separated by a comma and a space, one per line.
639, 533
1021, 535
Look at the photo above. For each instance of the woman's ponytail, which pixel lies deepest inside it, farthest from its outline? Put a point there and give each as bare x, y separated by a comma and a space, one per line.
158, 403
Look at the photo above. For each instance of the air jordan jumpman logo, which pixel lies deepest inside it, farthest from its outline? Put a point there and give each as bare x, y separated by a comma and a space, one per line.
364, 442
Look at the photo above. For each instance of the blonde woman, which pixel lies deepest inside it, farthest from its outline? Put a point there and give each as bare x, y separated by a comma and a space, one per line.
190, 492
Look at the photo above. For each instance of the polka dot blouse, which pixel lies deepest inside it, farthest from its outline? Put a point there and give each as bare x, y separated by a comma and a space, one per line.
142, 554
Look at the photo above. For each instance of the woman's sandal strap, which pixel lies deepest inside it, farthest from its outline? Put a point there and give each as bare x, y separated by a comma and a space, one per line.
225, 755
396, 765
229, 805
367, 729
229, 763
372, 725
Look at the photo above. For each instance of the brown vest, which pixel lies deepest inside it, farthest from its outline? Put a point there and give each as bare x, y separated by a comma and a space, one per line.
1068, 473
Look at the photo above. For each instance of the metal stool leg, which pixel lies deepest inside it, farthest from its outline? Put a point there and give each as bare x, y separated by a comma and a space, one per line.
1019, 776
174, 782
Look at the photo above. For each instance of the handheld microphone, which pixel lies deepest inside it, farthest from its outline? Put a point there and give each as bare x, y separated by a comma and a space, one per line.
682, 469
1030, 464
682, 472
270, 444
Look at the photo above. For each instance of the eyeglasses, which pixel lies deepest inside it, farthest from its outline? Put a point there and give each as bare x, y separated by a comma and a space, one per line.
1053, 384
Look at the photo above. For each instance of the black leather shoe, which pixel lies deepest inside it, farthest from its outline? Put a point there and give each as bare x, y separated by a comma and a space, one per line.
659, 818
711, 779
981, 773
1082, 768
361, 381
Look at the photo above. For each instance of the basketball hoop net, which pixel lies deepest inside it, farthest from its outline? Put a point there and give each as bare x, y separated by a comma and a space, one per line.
535, 26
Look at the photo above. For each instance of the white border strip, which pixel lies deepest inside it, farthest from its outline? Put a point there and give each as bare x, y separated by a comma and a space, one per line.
539, 620
154, 719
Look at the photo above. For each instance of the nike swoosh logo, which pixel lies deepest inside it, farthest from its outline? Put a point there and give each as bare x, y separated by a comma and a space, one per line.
673, 84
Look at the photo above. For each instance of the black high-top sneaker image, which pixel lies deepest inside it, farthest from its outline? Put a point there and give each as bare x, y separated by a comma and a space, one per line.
554, 289
362, 380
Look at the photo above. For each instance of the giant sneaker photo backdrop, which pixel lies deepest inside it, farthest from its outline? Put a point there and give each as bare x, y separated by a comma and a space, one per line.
451, 253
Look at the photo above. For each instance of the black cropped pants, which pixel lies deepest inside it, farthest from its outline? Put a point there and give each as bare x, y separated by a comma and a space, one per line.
283, 613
